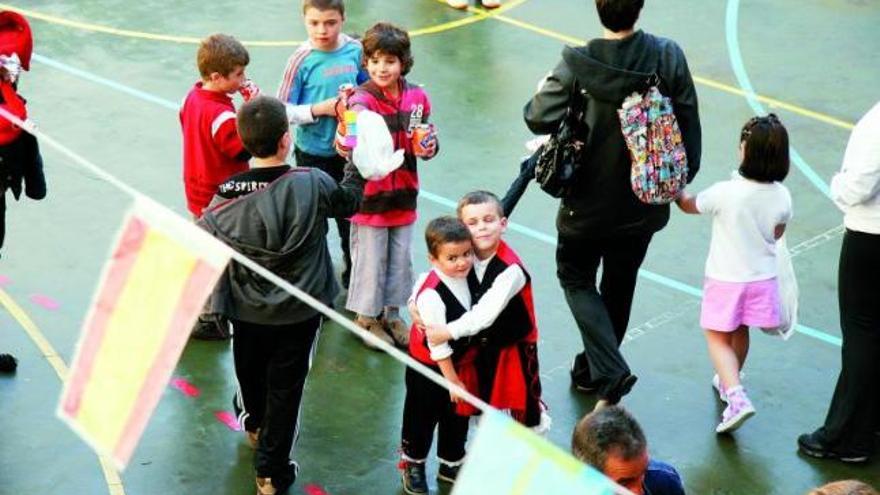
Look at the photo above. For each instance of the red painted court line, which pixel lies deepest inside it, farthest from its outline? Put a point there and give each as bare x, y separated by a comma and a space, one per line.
45, 301
185, 387
228, 419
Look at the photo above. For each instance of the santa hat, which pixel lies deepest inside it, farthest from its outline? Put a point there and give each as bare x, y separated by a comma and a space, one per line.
16, 37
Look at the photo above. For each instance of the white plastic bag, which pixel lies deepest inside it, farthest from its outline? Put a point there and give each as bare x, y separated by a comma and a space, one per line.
374, 154
788, 292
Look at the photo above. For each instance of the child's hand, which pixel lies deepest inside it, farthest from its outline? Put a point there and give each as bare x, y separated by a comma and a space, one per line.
415, 316
687, 203
453, 397
437, 334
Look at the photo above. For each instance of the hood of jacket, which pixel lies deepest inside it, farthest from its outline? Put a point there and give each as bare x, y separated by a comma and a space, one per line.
611, 70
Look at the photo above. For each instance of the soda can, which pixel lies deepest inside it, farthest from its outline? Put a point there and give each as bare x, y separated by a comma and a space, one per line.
249, 90
422, 137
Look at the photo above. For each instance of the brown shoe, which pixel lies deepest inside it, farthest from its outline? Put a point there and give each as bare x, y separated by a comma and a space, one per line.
252, 437
398, 330
265, 487
375, 327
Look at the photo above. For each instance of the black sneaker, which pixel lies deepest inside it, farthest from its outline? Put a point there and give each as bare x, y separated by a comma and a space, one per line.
8, 363
812, 445
623, 387
580, 375
211, 327
447, 473
414, 480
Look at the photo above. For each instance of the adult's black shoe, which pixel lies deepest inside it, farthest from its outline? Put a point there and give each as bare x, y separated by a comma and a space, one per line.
8, 363
812, 445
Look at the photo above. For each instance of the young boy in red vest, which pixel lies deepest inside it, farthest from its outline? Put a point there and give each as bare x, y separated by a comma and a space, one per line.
442, 296
500, 364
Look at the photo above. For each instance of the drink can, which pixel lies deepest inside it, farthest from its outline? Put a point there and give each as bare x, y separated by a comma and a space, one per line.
249, 90
422, 136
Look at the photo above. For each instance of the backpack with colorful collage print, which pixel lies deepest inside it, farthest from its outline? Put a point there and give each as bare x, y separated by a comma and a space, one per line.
654, 140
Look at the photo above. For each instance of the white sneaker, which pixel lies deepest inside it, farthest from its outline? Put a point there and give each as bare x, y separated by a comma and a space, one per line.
457, 4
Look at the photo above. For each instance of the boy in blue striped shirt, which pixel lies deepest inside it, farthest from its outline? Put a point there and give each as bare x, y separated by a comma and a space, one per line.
311, 87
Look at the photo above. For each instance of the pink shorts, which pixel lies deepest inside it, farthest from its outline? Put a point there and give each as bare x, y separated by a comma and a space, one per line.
727, 305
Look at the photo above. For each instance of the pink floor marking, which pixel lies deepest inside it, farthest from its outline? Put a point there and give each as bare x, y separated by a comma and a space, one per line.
228, 419
4, 280
185, 387
45, 301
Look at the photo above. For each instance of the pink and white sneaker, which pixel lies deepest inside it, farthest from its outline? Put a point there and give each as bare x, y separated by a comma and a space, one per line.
722, 393
739, 409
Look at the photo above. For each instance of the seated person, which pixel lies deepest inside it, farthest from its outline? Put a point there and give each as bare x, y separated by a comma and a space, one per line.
611, 441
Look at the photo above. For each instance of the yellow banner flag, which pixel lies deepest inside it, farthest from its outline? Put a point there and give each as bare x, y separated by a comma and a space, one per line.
161, 271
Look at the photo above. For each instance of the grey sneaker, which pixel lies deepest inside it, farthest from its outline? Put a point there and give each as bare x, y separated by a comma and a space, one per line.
398, 330
376, 328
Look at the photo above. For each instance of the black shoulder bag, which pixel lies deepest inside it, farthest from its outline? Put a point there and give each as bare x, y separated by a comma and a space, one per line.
562, 155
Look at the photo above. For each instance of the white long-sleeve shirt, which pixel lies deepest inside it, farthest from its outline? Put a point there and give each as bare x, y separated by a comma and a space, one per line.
433, 310
856, 188
481, 316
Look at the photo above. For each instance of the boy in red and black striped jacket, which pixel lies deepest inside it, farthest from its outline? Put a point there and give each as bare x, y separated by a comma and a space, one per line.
381, 231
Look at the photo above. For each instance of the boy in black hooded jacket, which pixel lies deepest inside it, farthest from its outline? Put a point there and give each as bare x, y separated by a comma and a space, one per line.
276, 215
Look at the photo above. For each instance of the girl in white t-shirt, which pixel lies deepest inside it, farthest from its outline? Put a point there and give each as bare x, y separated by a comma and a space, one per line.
749, 213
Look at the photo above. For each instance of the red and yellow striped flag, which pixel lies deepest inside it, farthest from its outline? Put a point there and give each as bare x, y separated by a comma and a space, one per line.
161, 271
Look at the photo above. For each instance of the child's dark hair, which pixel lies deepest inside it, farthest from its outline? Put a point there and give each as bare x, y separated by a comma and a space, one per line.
322, 5
389, 39
478, 198
765, 154
220, 53
261, 124
619, 15
445, 229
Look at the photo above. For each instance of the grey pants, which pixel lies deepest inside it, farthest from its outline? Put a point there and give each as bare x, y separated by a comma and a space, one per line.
381, 268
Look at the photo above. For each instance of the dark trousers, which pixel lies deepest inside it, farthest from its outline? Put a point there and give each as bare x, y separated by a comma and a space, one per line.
854, 414
602, 314
427, 406
271, 365
334, 166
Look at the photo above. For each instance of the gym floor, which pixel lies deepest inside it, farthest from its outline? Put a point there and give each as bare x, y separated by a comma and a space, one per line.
107, 83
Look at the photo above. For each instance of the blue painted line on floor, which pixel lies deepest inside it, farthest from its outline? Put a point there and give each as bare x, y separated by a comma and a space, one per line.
435, 198
742, 77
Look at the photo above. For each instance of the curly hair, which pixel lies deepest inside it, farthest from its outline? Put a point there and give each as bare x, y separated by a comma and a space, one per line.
389, 39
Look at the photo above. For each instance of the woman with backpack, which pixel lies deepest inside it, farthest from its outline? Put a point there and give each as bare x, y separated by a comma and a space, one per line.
601, 221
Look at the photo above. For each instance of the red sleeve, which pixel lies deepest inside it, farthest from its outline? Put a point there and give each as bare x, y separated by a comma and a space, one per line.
225, 135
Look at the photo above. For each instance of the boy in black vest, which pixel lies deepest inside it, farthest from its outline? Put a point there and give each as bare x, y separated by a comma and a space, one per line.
501, 363
441, 296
